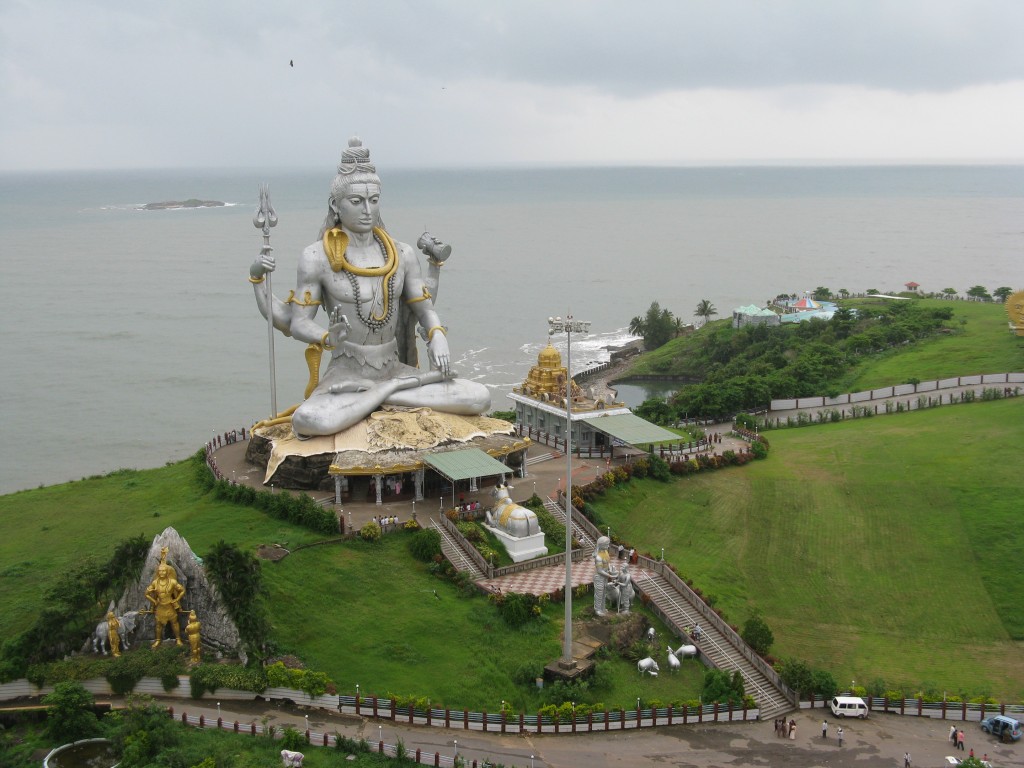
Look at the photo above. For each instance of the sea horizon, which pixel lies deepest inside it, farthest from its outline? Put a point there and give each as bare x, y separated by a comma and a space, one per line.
133, 336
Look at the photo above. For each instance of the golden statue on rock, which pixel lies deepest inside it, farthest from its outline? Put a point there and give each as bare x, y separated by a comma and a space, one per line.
193, 629
165, 593
114, 633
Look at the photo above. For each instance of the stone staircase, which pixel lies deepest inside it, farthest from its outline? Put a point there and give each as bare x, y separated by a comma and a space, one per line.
542, 457
452, 549
682, 615
582, 535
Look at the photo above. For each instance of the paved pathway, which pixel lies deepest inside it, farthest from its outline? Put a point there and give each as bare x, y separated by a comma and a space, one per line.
881, 740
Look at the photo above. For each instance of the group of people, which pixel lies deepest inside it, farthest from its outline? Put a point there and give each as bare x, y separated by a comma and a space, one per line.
218, 441
387, 523
824, 732
630, 556
784, 729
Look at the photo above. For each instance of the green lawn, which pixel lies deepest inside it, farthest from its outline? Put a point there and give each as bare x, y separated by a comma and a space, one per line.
887, 547
48, 528
362, 613
879, 548
981, 343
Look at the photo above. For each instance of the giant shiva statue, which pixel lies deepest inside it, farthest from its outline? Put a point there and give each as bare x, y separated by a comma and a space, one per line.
366, 283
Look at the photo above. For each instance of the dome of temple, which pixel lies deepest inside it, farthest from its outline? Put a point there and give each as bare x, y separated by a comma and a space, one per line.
549, 357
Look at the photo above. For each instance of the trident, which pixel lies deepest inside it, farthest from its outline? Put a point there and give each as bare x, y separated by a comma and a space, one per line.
264, 219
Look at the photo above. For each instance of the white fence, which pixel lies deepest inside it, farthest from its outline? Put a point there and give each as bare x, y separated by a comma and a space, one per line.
899, 390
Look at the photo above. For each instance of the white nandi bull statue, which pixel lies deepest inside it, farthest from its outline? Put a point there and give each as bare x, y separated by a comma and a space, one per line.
648, 665
509, 517
101, 635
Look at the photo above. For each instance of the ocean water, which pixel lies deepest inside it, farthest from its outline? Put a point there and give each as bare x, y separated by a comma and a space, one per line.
130, 337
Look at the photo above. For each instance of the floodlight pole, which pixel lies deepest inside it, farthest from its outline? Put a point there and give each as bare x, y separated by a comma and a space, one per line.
557, 325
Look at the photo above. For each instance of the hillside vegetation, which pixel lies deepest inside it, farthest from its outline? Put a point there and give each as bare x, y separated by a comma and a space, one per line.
868, 343
884, 548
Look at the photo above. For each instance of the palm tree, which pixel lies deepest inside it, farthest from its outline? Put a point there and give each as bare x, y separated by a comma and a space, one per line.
705, 309
637, 326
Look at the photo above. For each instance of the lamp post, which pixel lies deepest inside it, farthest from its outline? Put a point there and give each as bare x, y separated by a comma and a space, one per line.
567, 326
380, 734
357, 694
218, 711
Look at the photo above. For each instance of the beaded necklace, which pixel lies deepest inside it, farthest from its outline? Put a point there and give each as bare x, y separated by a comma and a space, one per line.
335, 244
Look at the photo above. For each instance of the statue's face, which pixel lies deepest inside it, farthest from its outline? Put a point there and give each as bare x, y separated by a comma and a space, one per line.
359, 207
161, 571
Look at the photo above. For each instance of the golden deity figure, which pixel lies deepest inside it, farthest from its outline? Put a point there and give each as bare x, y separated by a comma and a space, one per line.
114, 633
1015, 310
165, 593
192, 629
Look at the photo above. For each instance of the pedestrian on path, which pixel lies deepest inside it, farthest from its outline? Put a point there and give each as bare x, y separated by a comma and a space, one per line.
839, 735
906, 760
824, 729
960, 739
952, 735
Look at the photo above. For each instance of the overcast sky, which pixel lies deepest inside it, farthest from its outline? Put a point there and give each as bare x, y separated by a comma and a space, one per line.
192, 83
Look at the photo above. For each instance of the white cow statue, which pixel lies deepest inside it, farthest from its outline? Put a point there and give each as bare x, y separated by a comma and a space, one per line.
511, 518
673, 662
685, 650
101, 635
648, 665
291, 759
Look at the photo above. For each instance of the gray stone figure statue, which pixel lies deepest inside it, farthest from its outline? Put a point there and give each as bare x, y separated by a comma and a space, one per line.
622, 590
603, 574
366, 283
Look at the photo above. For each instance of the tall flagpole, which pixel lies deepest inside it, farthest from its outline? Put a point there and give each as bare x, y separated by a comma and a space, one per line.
557, 325
264, 219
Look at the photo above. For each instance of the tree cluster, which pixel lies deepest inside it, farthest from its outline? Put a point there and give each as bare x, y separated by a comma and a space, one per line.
74, 604
745, 368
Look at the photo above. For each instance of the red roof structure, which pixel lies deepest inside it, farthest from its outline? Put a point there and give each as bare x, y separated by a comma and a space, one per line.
912, 286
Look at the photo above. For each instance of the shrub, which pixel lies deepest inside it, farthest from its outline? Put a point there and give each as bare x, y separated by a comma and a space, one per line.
516, 609
238, 576
757, 635
370, 532
425, 545
69, 713
292, 740
659, 468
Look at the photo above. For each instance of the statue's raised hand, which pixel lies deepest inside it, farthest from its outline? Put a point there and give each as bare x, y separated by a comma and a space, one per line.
338, 329
264, 263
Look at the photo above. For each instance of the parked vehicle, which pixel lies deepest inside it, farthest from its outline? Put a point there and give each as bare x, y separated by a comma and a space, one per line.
849, 706
1002, 727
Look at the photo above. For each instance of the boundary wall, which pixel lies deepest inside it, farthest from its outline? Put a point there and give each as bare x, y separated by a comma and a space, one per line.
899, 390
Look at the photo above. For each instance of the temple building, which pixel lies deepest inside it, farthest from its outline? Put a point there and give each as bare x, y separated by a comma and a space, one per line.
598, 423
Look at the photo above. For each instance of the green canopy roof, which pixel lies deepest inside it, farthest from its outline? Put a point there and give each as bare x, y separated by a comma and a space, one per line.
631, 429
466, 463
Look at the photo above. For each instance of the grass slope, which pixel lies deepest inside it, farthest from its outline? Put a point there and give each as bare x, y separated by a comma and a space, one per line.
980, 344
45, 529
888, 547
362, 613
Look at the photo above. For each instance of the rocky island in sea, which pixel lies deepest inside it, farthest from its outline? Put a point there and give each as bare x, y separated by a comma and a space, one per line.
190, 203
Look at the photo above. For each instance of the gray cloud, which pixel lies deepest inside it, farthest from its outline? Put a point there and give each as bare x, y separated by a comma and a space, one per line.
85, 83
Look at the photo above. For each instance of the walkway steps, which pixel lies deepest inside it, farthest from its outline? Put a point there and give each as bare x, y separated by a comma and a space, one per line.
582, 536
452, 549
540, 458
714, 646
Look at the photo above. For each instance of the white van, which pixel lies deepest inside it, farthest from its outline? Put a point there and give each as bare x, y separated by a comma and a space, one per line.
849, 706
